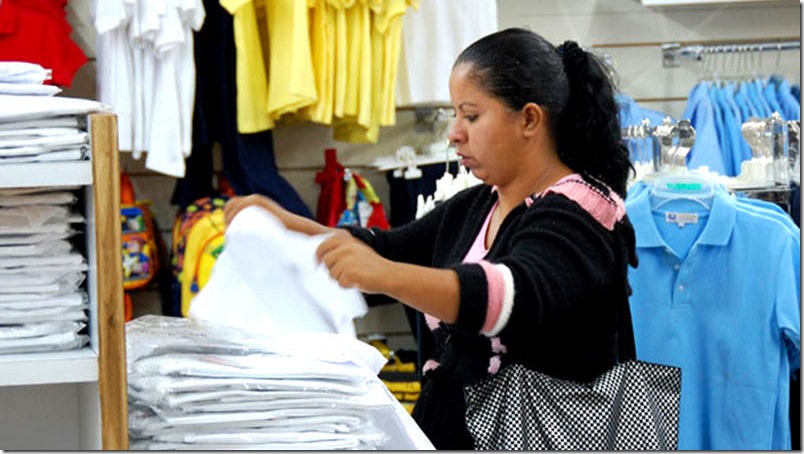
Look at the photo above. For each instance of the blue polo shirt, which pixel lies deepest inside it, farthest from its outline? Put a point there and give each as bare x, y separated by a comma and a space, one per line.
745, 97
743, 150
790, 105
701, 112
717, 298
762, 208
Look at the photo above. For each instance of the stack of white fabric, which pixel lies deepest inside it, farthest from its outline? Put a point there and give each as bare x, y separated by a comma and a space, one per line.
36, 126
200, 386
42, 305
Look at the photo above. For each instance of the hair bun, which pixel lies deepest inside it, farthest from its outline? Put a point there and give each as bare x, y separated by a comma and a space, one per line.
570, 50
573, 56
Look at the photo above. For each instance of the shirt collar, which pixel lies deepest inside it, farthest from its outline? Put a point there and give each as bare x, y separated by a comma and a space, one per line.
717, 231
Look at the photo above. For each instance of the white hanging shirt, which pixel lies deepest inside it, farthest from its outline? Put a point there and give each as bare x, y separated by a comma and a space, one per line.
146, 71
432, 38
170, 138
115, 77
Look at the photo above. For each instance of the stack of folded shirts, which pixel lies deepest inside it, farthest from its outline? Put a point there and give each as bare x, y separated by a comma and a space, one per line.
36, 126
42, 304
197, 386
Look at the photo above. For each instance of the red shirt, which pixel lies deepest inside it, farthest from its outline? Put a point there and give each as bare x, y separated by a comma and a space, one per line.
32, 36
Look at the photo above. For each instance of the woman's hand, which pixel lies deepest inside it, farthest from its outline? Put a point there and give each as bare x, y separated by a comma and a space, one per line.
291, 221
238, 203
354, 264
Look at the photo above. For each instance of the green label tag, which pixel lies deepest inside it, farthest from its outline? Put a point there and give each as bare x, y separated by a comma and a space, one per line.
684, 186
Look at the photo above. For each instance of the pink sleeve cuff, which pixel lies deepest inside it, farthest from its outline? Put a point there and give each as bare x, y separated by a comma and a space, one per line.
501, 297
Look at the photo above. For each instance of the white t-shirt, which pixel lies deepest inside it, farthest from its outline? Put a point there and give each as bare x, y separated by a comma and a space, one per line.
432, 38
267, 279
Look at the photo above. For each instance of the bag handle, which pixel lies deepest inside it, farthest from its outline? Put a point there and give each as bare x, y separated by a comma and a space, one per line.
625, 327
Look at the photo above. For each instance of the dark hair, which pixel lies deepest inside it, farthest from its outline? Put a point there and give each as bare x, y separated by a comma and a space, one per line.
519, 66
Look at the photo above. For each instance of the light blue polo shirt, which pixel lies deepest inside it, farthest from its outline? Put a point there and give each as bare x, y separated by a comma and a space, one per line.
759, 207
732, 154
769, 92
742, 149
745, 95
701, 113
790, 105
717, 298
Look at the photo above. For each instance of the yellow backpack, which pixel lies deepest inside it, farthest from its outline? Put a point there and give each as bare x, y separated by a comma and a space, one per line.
205, 241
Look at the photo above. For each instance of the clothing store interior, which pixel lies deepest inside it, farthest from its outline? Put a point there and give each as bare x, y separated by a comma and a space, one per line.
156, 156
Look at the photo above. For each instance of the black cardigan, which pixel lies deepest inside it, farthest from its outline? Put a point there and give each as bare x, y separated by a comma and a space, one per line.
570, 318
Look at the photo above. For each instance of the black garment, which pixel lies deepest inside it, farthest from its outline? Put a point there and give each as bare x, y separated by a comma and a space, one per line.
402, 197
570, 281
403, 192
248, 159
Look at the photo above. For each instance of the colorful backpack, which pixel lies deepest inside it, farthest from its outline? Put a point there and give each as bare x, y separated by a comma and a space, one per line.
205, 242
198, 237
139, 241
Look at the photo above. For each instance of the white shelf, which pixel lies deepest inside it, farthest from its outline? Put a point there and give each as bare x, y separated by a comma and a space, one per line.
45, 174
385, 163
72, 366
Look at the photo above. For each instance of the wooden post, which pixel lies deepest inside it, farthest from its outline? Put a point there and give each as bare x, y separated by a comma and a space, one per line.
112, 383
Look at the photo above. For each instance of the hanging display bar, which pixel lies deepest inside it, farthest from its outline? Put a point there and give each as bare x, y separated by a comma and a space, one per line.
673, 53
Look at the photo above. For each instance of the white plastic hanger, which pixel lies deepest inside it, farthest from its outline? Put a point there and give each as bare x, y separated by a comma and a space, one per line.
674, 180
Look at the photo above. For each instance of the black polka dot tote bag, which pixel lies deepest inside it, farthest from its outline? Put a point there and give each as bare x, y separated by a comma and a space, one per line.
633, 406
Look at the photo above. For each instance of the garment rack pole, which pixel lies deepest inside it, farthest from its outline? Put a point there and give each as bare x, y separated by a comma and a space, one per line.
672, 53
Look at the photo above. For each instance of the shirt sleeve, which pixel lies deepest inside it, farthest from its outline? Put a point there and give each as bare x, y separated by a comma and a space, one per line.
560, 261
788, 310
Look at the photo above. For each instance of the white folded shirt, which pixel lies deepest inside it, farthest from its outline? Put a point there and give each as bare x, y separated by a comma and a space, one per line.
57, 247
20, 72
28, 89
39, 329
72, 258
24, 301
69, 121
73, 154
25, 107
51, 342
50, 198
254, 366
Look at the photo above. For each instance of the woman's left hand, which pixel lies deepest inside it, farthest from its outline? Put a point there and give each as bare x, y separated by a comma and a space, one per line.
354, 264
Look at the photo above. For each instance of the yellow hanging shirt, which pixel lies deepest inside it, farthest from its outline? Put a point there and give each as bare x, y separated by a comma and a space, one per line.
291, 83
250, 72
355, 125
322, 43
376, 94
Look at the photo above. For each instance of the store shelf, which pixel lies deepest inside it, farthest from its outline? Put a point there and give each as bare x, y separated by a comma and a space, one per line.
48, 368
46, 174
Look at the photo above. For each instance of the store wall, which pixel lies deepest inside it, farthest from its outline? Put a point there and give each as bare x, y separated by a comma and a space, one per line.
624, 30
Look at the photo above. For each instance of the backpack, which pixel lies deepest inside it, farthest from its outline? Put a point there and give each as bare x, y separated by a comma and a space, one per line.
205, 242
139, 239
198, 237
140, 251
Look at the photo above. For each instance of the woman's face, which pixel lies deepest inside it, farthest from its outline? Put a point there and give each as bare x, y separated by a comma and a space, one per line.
485, 130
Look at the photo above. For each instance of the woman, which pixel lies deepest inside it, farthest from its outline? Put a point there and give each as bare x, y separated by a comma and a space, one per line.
530, 267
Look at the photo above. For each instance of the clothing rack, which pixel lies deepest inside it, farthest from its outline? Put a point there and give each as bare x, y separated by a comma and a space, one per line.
670, 141
673, 53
